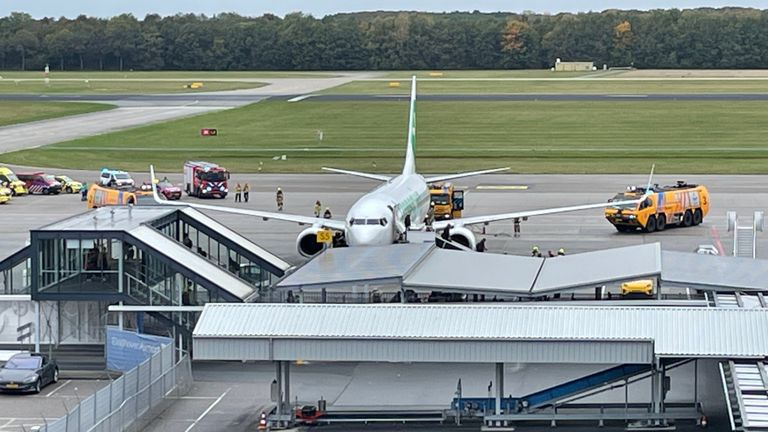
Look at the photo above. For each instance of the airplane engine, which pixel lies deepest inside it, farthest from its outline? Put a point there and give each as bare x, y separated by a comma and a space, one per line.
307, 244
464, 237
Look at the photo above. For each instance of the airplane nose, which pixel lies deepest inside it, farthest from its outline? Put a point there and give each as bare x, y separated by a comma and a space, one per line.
365, 237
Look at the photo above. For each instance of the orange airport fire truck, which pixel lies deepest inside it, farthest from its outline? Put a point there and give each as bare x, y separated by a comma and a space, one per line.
682, 204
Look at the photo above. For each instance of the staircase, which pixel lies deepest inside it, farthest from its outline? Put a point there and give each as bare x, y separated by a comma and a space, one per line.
79, 357
746, 390
744, 242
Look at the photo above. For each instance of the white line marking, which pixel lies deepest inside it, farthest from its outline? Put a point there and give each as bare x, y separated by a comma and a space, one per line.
7, 424
58, 388
300, 98
205, 413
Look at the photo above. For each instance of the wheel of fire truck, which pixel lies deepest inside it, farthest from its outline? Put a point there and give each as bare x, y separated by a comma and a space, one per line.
650, 226
661, 222
46, 191
687, 218
698, 216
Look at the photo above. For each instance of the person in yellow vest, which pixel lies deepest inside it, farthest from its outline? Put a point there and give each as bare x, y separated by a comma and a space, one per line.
238, 193
318, 208
246, 190
280, 198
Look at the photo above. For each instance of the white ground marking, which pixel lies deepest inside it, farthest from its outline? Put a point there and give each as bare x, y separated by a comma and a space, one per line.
205, 413
58, 388
8, 423
300, 98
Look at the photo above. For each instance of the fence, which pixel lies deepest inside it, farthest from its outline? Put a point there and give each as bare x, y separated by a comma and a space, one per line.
121, 405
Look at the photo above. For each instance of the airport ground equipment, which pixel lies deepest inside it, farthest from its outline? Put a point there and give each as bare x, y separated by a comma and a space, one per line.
745, 236
40, 183
447, 202
17, 186
205, 180
681, 204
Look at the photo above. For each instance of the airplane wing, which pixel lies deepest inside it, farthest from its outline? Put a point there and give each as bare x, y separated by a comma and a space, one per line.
359, 174
438, 225
299, 219
464, 174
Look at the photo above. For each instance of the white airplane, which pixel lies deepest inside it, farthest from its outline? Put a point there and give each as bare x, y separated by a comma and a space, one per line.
380, 216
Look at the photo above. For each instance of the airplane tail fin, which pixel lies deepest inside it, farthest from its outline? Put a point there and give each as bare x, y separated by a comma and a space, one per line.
410, 153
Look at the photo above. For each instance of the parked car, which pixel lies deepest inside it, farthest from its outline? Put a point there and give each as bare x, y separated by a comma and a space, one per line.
169, 190
69, 185
115, 178
28, 372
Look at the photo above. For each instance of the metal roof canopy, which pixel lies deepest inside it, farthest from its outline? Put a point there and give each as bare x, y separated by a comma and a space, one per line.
714, 272
358, 264
477, 333
112, 218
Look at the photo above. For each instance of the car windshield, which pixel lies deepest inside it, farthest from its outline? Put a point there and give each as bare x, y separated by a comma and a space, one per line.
122, 176
622, 197
440, 199
164, 184
12, 177
214, 176
23, 363
65, 179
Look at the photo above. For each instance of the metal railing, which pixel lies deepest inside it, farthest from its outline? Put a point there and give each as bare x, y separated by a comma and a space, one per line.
124, 405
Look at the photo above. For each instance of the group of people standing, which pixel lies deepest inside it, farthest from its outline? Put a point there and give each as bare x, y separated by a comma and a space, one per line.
242, 193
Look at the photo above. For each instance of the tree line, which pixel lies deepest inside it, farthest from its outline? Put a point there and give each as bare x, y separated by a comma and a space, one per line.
695, 38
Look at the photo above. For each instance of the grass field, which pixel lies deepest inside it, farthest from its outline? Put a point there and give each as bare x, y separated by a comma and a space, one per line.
12, 112
166, 74
530, 136
585, 86
116, 87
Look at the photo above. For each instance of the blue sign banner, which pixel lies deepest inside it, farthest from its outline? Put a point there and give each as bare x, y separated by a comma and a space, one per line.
127, 349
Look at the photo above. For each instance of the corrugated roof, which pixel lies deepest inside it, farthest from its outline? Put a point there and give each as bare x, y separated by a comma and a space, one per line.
451, 269
692, 332
357, 263
599, 267
113, 218
714, 272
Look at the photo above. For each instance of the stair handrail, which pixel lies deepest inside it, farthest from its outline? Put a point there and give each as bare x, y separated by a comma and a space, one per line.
727, 398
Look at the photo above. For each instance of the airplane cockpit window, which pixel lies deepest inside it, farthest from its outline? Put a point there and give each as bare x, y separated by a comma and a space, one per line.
357, 221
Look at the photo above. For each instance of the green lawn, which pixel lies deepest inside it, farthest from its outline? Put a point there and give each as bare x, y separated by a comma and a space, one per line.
181, 75
117, 87
12, 112
585, 86
529, 136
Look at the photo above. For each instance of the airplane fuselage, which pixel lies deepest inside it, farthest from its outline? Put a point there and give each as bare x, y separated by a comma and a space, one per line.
378, 217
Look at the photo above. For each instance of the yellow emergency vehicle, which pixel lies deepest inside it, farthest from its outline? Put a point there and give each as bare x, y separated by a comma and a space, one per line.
682, 204
447, 202
13, 183
68, 185
639, 288
5, 194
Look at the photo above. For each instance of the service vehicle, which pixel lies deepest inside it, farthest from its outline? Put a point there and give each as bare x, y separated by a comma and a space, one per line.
28, 372
16, 186
5, 194
205, 180
167, 189
100, 196
637, 289
446, 201
69, 185
115, 178
40, 183
681, 204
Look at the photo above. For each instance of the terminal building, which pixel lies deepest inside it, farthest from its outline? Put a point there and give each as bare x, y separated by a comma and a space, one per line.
175, 272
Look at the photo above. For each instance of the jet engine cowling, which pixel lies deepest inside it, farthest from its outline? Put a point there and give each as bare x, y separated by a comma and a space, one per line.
307, 244
462, 236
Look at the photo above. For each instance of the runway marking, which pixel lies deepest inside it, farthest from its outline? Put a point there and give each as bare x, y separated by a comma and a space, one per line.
502, 187
205, 413
300, 98
7, 424
58, 388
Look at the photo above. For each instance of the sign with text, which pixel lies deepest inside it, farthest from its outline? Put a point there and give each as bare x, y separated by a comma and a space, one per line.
127, 349
209, 132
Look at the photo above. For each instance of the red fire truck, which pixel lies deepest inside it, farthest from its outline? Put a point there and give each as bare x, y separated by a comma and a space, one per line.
205, 179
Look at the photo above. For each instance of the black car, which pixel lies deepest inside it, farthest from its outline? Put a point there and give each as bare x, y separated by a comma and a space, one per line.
28, 372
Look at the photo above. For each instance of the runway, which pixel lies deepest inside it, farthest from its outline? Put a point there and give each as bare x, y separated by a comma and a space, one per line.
576, 232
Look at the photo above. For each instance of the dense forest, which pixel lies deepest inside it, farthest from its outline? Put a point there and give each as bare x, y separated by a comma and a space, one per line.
698, 38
